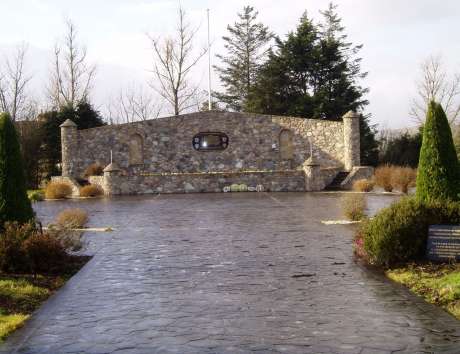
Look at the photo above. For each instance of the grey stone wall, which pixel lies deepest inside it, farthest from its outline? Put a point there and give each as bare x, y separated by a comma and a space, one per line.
279, 181
157, 156
253, 143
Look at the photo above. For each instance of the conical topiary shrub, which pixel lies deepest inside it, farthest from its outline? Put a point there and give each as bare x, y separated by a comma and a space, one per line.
438, 171
14, 204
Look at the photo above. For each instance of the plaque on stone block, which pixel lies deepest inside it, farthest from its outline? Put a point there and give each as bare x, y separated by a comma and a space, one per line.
443, 243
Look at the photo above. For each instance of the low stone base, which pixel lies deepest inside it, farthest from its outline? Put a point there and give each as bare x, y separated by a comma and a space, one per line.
285, 181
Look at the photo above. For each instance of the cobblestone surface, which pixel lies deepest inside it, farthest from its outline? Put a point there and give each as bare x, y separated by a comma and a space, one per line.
228, 273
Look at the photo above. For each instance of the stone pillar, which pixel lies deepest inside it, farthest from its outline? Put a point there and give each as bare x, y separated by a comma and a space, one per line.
111, 180
313, 178
69, 148
351, 141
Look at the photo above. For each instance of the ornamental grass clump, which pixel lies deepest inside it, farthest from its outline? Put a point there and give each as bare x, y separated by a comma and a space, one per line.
72, 218
353, 206
58, 190
94, 169
438, 172
91, 190
14, 203
363, 185
383, 177
404, 178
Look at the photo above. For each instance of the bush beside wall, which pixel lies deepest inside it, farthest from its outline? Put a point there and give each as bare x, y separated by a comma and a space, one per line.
94, 170
58, 190
91, 190
383, 177
363, 185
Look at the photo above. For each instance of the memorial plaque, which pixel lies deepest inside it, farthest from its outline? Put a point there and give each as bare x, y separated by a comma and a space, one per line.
443, 243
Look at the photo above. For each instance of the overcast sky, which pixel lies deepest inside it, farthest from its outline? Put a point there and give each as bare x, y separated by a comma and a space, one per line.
397, 36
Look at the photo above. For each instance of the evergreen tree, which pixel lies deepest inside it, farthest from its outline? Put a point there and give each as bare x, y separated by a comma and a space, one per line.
246, 46
84, 116
14, 203
314, 73
403, 150
336, 78
284, 83
368, 142
438, 172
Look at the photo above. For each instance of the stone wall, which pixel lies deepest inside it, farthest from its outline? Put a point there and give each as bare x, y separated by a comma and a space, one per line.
277, 181
158, 156
253, 143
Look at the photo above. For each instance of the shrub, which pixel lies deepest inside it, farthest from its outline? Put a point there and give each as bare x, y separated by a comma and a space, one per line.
94, 169
45, 254
91, 190
58, 190
24, 249
404, 178
438, 172
72, 218
399, 233
353, 206
13, 257
383, 177
69, 239
36, 196
363, 185
14, 204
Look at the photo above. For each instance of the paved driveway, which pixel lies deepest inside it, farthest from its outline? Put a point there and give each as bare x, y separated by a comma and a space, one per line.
228, 273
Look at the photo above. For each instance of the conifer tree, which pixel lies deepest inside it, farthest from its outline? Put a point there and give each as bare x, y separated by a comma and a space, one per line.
14, 203
284, 82
336, 78
313, 73
247, 46
438, 171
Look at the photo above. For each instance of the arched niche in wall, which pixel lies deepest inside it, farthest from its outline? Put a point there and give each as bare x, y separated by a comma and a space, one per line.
286, 145
136, 147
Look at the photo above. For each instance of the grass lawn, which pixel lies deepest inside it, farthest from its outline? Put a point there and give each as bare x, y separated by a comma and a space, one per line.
439, 284
20, 295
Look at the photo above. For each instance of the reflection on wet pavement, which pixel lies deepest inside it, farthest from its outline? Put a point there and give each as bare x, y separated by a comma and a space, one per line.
229, 273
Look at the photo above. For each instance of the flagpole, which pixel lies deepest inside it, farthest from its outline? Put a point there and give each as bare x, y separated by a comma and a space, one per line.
209, 66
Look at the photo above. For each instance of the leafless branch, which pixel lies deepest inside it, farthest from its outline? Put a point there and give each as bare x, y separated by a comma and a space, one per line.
436, 85
174, 59
14, 97
71, 75
132, 104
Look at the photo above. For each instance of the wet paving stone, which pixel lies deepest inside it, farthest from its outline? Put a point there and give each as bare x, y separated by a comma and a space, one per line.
228, 273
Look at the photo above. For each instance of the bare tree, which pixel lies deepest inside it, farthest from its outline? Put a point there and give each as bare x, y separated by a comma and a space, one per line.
132, 104
14, 98
71, 76
436, 84
174, 58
